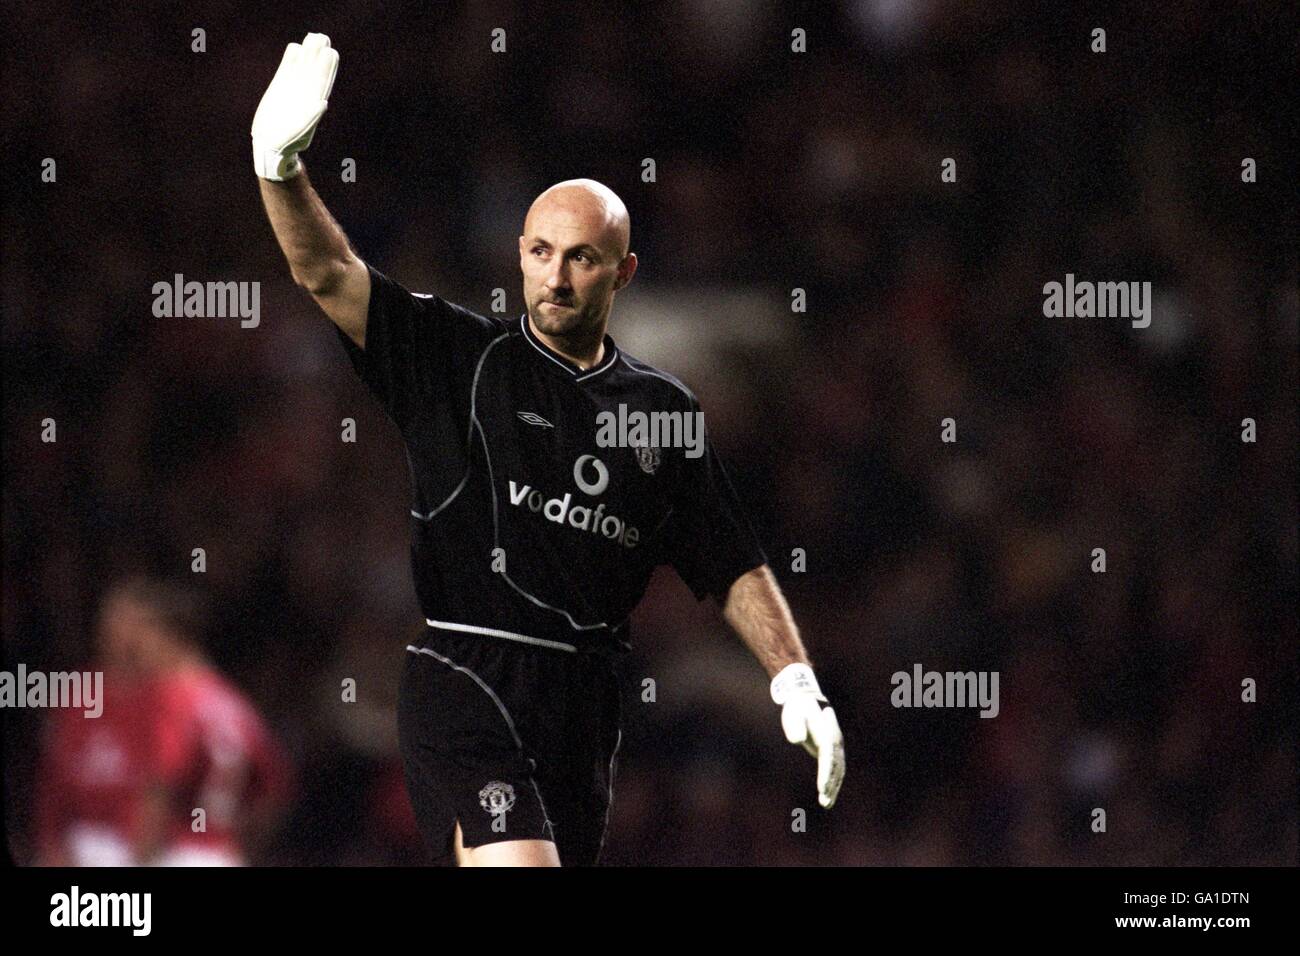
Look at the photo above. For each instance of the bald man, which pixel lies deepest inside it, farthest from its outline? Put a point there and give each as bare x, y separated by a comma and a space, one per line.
538, 515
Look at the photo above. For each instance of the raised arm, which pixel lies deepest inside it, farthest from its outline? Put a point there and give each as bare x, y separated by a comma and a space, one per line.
320, 258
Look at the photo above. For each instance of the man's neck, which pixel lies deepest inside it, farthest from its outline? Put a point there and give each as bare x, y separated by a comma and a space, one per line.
582, 353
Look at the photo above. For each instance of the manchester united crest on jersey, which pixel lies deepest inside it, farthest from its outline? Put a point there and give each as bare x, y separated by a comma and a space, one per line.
648, 457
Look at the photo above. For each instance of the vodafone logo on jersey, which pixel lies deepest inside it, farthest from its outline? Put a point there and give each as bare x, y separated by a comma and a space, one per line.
592, 478
602, 475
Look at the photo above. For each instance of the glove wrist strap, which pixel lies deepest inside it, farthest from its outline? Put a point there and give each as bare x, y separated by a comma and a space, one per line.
274, 165
795, 679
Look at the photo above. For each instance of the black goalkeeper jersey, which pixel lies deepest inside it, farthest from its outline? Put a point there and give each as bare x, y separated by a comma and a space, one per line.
523, 526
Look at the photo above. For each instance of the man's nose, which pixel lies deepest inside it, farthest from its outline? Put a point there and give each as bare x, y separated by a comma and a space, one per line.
557, 275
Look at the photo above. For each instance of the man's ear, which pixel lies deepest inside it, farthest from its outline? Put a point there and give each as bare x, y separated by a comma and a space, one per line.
626, 270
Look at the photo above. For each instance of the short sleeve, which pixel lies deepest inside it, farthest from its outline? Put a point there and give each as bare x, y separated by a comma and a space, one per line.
710, 542
417, 346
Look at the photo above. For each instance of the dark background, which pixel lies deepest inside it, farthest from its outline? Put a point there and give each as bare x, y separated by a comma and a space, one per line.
775, 171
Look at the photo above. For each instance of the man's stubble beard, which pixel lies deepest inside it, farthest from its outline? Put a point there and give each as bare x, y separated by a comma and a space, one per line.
575, 324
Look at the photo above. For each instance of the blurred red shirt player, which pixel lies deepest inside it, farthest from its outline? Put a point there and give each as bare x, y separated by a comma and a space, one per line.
174, 737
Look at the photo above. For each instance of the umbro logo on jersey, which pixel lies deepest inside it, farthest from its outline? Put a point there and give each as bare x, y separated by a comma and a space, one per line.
533, 418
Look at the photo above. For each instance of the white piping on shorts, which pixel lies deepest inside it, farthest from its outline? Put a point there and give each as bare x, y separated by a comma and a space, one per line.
504, 713
609, 806
508, 635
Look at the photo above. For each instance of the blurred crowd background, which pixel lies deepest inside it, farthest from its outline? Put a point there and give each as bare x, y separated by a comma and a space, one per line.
773, 171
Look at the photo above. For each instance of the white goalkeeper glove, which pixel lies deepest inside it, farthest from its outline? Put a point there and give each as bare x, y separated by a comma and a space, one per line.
806, 722
292, 106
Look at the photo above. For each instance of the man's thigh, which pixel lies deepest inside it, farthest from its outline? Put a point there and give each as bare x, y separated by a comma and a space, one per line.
463, 760
515, 745
508, 853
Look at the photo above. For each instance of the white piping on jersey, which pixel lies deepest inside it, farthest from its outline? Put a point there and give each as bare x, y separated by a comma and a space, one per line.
496, 527
662, 522
671, 381
469, 436
681, 388
508, 635
540, 349
523, 319
474, 423
504, 713
690, 398
598, 371
496, 542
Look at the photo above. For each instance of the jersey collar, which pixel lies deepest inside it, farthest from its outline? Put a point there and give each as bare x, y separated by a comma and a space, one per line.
578, 374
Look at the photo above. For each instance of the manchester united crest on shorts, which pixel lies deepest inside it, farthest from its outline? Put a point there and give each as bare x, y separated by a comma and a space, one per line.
647, 456
497, 797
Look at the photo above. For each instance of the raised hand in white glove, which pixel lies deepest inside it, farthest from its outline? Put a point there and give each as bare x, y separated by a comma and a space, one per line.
292, 106
806, 722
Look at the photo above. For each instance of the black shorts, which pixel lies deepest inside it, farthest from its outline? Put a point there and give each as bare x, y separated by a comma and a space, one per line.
514, 741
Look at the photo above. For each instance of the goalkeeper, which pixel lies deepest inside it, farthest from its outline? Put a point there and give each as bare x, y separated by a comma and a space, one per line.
532, 541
